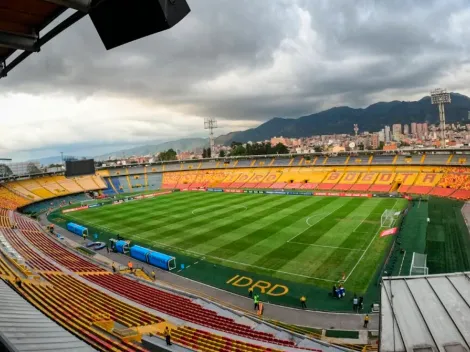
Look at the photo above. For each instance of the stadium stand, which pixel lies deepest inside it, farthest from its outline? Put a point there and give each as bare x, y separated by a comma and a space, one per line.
336, 160
282, 162
255, 179
436, 159
211, 164
404, 181
178, 306
365, 181
33, 260
170, 180
383, 182
70, 185
124, 184
269, 179
154, 181
172, 167
408, 159
424, 183
459, 159
383, 159
10, 200
330, 180
25, 328
135, 170
347, 181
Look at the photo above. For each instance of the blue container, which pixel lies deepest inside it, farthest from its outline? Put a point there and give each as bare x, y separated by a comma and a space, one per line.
139, 253
160, 260
77, 229
122, 246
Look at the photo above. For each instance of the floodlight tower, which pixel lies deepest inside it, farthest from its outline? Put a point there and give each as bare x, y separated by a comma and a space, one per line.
356, 129
440, 97
211, 124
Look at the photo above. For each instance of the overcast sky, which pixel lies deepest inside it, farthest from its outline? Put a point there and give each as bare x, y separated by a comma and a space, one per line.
242, 62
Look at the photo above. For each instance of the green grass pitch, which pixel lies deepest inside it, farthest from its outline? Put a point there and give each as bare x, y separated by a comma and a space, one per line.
305, 239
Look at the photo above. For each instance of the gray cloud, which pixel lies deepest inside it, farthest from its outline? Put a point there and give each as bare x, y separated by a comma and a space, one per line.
252, 60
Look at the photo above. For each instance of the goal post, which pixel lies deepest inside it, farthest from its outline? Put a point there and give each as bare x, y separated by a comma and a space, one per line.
419, 264
387, 219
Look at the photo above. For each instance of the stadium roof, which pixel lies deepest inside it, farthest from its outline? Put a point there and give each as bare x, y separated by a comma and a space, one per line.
425, 313
24, 328
22, 23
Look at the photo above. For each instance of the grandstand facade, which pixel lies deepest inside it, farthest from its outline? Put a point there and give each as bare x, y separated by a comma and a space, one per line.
119, 311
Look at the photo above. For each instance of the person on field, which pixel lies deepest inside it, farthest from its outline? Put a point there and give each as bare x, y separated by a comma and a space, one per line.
366, 321
130, 266
250, 292
303, 302
361, 303
256, 301
167, 335
153, 275
114, 267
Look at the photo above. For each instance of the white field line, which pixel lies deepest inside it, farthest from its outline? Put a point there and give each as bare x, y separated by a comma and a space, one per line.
365, 251
239, 263
318, 245
401, 265
318, 220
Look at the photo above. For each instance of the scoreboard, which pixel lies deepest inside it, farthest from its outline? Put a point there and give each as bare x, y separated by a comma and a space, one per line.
79, 167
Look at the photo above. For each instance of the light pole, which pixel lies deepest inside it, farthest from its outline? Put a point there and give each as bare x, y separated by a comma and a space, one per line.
211, 124
440, 97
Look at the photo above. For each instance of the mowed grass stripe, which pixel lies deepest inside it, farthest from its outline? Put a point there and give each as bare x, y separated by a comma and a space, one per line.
344, 227
161, 214
340, 261
364, 272
315, 232
280, 256
170, 217
284, 234
142, 206
244, 219
237, 234
195, 225
274, 226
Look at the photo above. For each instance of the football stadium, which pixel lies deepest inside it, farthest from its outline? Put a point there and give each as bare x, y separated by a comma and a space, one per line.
348, 251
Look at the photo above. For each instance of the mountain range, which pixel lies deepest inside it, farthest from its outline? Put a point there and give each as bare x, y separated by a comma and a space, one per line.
341, 119
335, 120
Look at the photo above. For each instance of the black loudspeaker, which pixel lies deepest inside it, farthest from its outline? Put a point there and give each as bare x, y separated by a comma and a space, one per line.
122, 21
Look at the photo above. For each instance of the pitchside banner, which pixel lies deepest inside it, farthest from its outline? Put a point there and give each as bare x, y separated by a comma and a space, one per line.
389, 232
333, 194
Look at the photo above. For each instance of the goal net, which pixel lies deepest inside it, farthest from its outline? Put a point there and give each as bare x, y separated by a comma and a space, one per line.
419, 264
387, 218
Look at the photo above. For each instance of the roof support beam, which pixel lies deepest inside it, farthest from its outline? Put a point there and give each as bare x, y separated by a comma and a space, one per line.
19, 42
75, 17
80, 5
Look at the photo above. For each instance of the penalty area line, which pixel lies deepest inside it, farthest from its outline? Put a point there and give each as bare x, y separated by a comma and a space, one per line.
333, 247
239, 263
370, 243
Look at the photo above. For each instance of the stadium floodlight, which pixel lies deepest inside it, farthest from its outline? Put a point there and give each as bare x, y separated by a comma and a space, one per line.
211, 124
440, 97
388, 218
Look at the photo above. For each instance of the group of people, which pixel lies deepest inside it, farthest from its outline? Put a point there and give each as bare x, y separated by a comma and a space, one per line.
338, 291
358, 303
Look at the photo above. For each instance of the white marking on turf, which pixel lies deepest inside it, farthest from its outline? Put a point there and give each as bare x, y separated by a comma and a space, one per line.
318, 220
401, 265
318, 245
239, 263
370, 243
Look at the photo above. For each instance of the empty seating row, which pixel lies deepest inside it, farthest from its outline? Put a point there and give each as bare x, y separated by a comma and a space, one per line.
47, 300
177, 306
206, 342
32, 259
